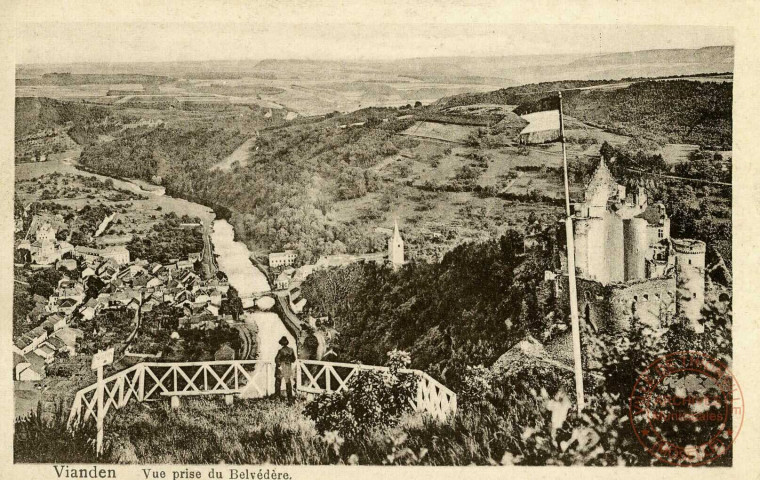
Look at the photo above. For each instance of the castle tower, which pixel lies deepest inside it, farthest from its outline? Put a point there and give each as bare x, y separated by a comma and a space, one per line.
690, 279
396, 248
636, 242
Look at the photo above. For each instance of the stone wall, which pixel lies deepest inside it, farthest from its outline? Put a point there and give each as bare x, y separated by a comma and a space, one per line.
611, 308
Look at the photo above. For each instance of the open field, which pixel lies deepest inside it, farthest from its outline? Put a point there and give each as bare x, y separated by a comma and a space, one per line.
677, 152
305, 96
150, 205
440, 131
482, 109
240, 155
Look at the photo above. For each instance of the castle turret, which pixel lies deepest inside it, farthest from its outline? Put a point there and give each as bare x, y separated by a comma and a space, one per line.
396, 248
636, 244
690, 279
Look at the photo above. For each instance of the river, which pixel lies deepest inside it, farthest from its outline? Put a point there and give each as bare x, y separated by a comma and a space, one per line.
234, 260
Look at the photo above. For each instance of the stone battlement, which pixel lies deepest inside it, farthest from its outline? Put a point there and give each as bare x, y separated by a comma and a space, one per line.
689, 246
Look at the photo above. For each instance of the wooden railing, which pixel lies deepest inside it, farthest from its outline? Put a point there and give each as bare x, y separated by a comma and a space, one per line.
151, 381
315, 376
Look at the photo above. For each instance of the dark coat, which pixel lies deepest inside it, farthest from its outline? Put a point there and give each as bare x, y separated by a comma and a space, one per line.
284, 363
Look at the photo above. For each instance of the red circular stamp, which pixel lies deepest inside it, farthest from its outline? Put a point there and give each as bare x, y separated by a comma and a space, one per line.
686, 409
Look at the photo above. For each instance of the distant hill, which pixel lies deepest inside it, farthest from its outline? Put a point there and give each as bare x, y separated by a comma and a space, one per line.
505, 70
95, 78
720, 55
519, 69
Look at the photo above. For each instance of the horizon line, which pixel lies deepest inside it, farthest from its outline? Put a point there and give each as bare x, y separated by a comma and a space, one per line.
365, 59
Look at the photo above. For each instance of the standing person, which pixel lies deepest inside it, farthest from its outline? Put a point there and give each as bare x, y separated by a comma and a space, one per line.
284, 369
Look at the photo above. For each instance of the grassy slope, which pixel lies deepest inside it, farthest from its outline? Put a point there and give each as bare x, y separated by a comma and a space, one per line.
270, 431
205, 430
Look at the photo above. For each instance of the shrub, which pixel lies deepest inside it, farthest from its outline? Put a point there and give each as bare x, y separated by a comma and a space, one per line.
476, 386
372, 400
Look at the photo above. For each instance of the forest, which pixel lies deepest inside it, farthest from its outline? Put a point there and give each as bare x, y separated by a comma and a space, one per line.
177, 155
279, 199
481, 299
83, 122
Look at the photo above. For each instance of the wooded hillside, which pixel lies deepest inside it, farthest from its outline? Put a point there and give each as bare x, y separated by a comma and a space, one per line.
467, 310
672, 111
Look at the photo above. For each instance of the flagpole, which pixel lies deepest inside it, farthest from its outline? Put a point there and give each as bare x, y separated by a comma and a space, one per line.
571, 272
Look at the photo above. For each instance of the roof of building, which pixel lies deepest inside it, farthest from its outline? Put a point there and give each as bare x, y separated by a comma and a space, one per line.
45, 349
67, 302
601, 187
36, 332
87, 250
56, 342
541, 121
22, 341
282, 254
37, 362
18, 359
48, 324
525, 353
285, 275
69, 335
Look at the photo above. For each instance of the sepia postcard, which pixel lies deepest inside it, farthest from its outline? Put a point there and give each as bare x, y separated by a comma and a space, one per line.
274, 241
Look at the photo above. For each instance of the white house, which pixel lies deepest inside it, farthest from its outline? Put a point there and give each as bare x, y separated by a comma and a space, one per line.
279, 259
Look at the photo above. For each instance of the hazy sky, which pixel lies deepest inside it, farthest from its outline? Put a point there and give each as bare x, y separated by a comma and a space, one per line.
52, 42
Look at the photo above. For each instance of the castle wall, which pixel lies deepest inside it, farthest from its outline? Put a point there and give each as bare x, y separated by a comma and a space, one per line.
649, 301
581, 229
593, 304
611, 308
599, 248
598, 268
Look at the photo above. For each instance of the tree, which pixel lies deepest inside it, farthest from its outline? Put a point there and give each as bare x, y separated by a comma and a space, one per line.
44, 282
232, 305
607, 151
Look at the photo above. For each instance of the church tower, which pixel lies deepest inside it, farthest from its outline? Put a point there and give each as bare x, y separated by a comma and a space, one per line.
396, 248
